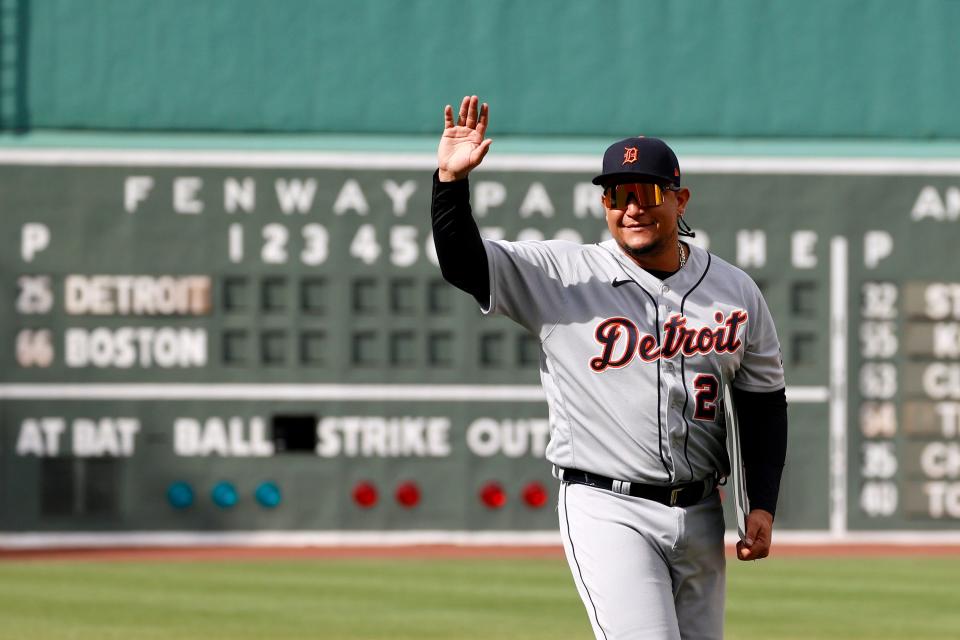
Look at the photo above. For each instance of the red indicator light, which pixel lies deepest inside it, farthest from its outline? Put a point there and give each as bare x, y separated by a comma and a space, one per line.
535, 495
408, 494
493, 496
365, 495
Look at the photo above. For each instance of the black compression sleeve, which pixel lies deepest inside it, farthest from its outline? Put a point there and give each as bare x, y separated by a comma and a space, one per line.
463, 260
763, 437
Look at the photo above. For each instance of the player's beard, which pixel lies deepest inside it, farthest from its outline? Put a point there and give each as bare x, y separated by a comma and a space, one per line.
657, 247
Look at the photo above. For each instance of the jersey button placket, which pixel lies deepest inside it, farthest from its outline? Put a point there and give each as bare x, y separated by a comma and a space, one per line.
667, 385
675, 382
669, 374
666, 420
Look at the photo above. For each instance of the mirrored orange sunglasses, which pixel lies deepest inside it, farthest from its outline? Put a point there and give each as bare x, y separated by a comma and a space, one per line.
645, 194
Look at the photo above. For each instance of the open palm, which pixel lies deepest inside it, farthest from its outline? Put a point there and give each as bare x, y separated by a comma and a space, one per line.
462, 145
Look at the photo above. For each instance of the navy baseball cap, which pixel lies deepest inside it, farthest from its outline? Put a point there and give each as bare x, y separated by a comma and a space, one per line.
639, 159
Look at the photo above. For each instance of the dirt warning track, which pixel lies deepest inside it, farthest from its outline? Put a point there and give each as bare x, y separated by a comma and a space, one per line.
426, 552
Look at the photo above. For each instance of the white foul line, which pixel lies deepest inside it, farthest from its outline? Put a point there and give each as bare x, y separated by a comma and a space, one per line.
838, 386
310, 392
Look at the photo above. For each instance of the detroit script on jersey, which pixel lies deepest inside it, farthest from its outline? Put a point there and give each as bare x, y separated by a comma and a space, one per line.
621, 336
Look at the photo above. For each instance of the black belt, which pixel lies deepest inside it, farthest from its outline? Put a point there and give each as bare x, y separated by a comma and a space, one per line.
675, 495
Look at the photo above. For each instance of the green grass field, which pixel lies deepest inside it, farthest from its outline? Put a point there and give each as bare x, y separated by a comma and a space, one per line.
877, 598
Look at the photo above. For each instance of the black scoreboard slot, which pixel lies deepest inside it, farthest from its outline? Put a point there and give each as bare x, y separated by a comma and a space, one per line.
294, 433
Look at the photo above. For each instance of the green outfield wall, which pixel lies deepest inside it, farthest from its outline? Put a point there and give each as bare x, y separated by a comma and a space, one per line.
752, 68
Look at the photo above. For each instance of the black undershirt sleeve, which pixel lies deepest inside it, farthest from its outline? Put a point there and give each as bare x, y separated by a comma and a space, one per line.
463, 260
763, 437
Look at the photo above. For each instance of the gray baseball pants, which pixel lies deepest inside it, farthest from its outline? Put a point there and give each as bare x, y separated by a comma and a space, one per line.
645, 570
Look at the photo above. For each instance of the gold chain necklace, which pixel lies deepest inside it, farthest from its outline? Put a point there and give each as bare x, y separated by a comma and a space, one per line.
683, 258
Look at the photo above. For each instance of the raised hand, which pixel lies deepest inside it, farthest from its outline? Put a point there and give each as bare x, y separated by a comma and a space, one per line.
462, 145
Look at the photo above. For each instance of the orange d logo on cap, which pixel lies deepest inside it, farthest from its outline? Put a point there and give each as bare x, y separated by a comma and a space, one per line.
639, 159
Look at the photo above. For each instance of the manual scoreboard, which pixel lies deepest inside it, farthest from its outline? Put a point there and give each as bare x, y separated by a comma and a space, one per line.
226, 341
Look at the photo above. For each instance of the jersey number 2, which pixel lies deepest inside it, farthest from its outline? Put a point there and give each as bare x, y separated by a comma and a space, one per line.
706, 391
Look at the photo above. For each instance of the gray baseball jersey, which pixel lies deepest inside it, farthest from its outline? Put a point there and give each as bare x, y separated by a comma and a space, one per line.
633, 369
632, 366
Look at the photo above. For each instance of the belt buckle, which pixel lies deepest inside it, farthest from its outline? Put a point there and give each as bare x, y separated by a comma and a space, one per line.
621, 486
674, 495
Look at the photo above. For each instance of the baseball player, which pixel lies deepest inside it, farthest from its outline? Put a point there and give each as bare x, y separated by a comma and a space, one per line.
638, 334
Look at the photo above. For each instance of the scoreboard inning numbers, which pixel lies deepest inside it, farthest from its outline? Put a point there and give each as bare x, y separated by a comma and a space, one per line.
197, 341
